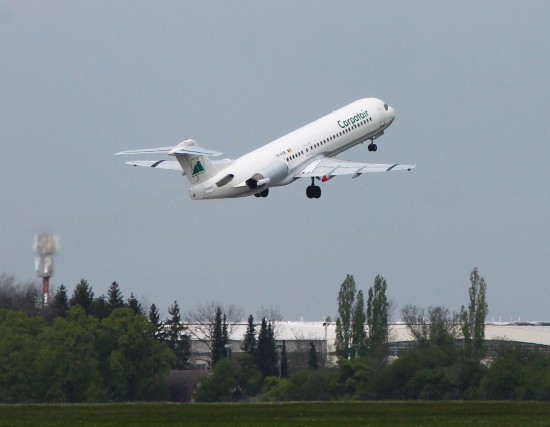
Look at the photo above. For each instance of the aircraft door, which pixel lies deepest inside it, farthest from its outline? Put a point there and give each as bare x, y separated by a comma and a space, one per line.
308, 149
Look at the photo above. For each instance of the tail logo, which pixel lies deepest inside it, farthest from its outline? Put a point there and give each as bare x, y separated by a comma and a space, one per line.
197, 166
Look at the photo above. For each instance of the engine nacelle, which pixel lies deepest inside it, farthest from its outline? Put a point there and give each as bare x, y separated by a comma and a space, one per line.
272, 173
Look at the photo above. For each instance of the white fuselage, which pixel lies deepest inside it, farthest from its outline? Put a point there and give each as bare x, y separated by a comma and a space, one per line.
278, 162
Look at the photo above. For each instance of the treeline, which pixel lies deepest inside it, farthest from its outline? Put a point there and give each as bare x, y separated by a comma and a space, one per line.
82, 348
79, 358
431, 372
448, 360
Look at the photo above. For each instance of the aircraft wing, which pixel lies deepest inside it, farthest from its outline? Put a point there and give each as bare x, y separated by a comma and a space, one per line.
334, 167
159, 164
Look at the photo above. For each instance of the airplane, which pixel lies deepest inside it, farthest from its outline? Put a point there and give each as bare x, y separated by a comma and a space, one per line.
307, 152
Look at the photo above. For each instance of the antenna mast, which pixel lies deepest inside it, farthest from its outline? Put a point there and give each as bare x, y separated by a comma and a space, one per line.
45, 246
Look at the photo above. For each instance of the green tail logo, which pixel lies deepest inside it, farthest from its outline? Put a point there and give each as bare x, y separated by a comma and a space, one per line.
197, 166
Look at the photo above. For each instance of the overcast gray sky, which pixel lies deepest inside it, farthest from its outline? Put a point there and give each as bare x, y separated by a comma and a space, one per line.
469, 80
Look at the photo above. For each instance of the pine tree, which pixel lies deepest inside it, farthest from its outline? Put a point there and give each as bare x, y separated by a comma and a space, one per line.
249, 341
154, 316
114, 296
377, 319
346, 297
83, 296
219, 338
266, 358
135, 305
101, 309
59, 304
176, 339
312, 362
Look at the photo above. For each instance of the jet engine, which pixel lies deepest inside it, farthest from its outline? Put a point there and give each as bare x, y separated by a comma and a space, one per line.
268, 175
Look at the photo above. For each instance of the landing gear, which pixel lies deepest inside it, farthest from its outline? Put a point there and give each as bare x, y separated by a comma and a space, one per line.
313, 191
263, 193
372, 146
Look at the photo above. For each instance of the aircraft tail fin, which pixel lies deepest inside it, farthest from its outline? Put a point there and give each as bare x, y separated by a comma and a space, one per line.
194, 161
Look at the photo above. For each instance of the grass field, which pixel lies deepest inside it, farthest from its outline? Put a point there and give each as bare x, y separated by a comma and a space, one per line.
281, 414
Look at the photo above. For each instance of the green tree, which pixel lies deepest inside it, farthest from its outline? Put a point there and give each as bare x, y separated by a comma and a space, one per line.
134, 364
310, 384
444, 325
354, 377
473, 319
154, 316
273, 360
18, 352
101, 308
115, 298
83, 296
266, 357
346, 298
219, 338
230, 380
436, 326
67, 361
249, 341
203, 319
20, 297
59, 304
416, 321
377, 319
358, 334
135, 305
312, 362
177, 339
426, 372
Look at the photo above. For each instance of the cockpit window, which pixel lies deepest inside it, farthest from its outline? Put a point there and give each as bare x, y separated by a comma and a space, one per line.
386, 107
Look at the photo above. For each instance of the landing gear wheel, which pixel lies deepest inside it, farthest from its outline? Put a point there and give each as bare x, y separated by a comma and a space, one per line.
372, 147
313, 192
263, 193
317, 192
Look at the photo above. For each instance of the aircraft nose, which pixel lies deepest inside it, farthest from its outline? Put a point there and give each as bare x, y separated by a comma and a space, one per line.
391, 115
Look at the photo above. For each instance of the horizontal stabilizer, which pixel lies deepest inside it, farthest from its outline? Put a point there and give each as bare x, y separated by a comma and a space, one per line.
158, 150
159, 164
194, 150
186, 147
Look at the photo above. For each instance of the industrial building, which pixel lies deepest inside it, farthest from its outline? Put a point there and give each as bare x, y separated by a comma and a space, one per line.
298, 335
